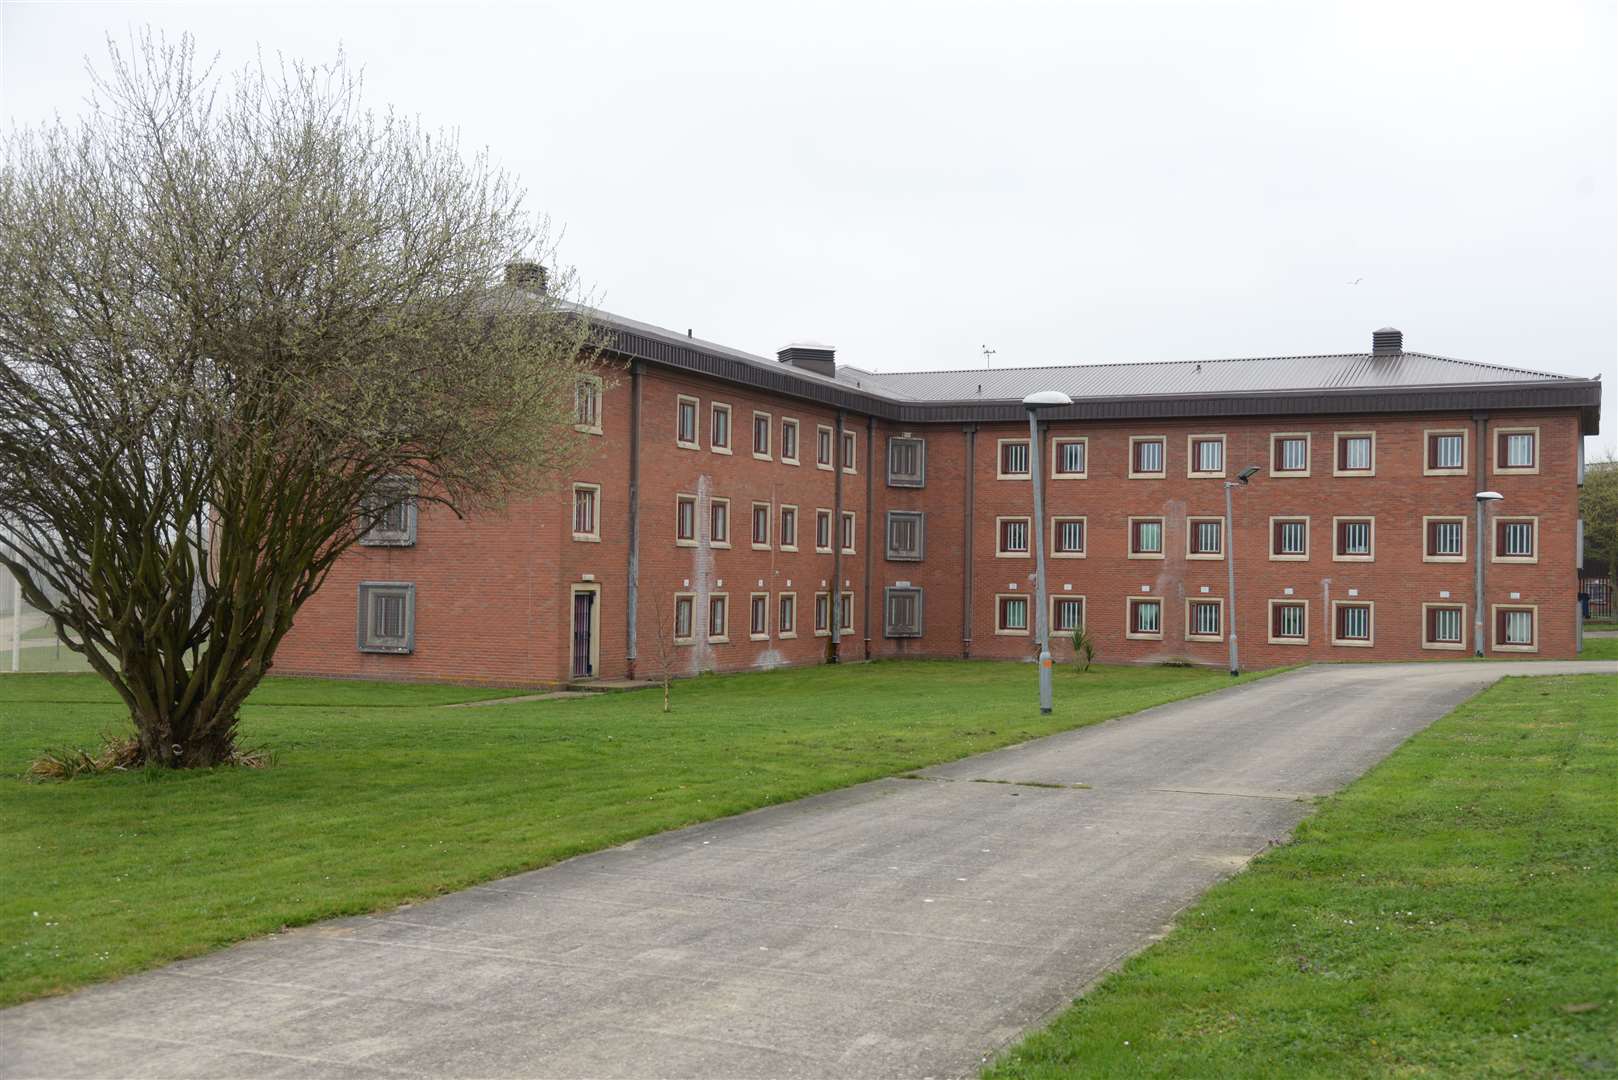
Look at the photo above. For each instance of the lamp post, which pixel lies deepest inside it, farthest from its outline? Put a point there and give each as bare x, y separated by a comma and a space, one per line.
1036, 468
1230, 557
1483, 499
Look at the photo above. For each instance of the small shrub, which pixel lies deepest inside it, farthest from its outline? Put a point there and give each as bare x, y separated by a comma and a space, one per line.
1084, 650
117, 754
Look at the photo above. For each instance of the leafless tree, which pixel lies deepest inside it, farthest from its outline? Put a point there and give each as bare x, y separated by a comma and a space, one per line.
239, 317
664, 652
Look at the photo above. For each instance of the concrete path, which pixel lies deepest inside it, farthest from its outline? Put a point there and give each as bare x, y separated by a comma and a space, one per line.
903, 928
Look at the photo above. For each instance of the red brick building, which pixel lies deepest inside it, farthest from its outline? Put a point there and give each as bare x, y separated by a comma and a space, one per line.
737, 512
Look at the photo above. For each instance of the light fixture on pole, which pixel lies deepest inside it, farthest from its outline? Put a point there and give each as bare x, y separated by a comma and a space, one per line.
1483, 499
1036, 466
1230, 557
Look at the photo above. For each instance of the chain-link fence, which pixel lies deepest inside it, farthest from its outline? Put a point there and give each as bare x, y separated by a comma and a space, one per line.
27, 640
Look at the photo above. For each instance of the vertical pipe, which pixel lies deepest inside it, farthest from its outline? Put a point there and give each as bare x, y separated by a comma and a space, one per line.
1482, 422
1230, 569
870, 513
967, 510
835, 599
1036, 468
16, 623
632, 595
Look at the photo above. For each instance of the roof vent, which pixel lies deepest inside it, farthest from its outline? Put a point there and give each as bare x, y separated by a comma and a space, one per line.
1387, 342
810, 356
526, 274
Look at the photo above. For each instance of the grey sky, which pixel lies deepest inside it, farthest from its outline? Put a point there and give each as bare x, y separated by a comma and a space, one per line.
1067, 183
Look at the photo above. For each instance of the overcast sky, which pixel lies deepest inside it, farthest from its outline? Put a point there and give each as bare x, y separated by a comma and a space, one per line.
1062, 182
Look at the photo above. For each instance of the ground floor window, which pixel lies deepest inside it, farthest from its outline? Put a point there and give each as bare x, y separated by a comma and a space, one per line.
822, 614
1145, 617
758, 616
387, 617
1516, 629
1067, 614
1011, 614
846, 624
1205, 619
1351, 623
1445, 626
786, 618
1289, 622
902, 613
684, 618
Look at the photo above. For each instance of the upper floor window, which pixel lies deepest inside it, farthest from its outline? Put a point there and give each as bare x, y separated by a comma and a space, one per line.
789, 528
907, 461
1070, 458
1204, 537
1012, 536
587, 404
1289, 538
719, 522
1356, 453
846, 534
388, 514
1013, 463
685, 425
1444, 538
1205, 455
823, 531
719, 428
1067, 537
685, 519
1289, 453
586, 503
1446, 453
823, 445
1516, 450
1355, 539
761, 525
1516, 539
789, 442
906, 538
850, 452
901, 612
762, 423
1147, 458
1146, 538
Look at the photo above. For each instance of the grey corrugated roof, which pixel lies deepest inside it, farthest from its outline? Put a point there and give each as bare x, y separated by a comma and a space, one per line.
1337, 371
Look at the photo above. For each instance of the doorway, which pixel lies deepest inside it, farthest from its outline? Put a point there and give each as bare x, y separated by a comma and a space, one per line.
586, 619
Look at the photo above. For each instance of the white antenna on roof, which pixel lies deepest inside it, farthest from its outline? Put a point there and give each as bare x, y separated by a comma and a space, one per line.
988, 356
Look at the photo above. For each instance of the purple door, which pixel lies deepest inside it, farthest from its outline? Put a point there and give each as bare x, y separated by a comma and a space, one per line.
583, 616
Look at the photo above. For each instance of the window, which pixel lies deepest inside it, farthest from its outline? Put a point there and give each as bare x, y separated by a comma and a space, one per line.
1013, 459
587, 404
1204, 620
1516, 629
789, 528
1356, 454
684, 618
1516, 540
685, 520
822, 614
685, 425
846, 623
1070, 458
1443, 626
1067, 537
823, 447
1204, 538
1445, 539
1145, 618
907, 462
586, 522
906, 535
901, 617
1355, 539
1289, 539
1516, 450
846, 535
789, 442
1145, 538
718, 612
719, 522
762, 422
1289, 622
390, 512
1011, 537
850, 452
1067, 614
387, 617
1289, 453
1446, 453
823, 531
1351, 623
758, 616
761, 526
719, 428
1011, 615
1205, 455
1146, 456
786, 615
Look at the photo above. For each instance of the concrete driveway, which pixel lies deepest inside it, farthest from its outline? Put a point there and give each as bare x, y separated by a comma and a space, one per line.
900, 928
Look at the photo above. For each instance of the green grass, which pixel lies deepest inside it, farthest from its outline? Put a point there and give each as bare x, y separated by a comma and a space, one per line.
1601, 624
1453, 913
1600, 649
379, 797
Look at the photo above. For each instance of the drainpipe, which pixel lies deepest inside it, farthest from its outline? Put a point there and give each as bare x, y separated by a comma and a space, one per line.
870, 513
971, 432
1481, 420
632, 596
835, 600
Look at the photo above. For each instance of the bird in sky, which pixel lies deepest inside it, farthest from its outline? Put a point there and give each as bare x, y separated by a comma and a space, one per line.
1356, 281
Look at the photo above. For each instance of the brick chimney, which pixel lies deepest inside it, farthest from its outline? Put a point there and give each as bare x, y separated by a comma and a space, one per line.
810, 356
526, 274
1387, 342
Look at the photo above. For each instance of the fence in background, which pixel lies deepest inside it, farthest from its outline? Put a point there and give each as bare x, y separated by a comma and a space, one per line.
1603, 604
27, 640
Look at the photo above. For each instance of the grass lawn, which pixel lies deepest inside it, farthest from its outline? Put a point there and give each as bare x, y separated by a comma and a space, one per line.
1452, 913
379, 796
1600, 649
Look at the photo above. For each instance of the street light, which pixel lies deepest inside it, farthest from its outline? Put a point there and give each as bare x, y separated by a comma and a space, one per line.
1230, 556
1036, 466
1483, 499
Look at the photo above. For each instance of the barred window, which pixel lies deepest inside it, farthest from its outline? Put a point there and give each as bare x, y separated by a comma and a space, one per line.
1067, 614
905, 535
1013, 457
586, 526
1291, 454
1070, 457
1013, 536
1517, 450
1446, 451
1146, 536
1354, 537
1208, 455
1353, 622
1517, 627
1147, 456
1446, 537
1068, 535
387, 617
1011, 614
1207, 537
1289, 621
1445, 625
390, 511
587, 403
902, 613
907, 462
1145, 616
1205, 618
683, 617
1354, 453
1516, 539
1291, 537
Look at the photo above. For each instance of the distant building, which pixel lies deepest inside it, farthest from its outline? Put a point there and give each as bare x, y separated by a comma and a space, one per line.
759, 512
